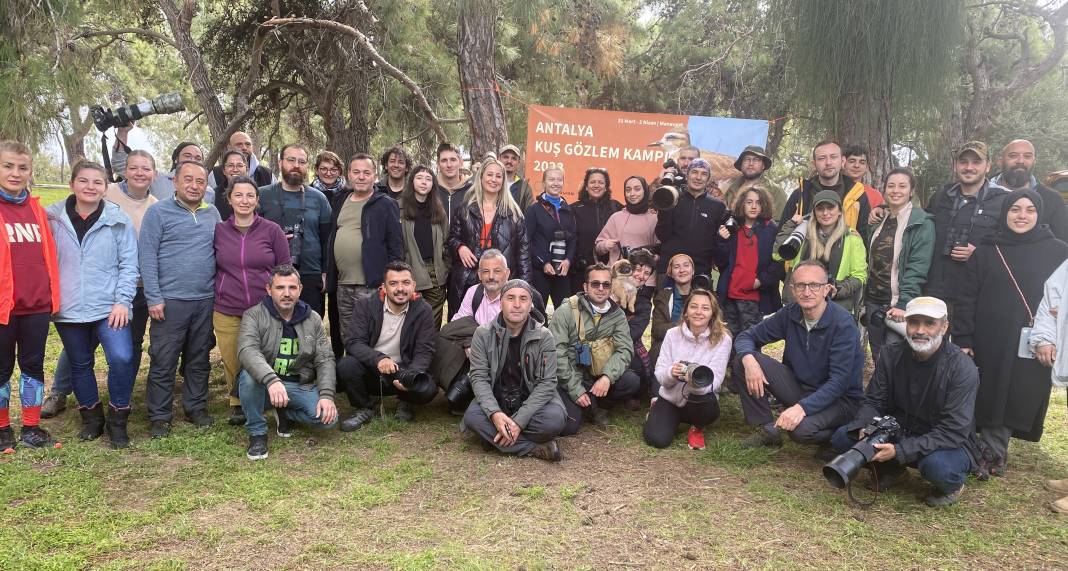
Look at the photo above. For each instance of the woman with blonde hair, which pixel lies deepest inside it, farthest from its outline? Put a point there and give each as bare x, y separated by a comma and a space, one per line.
488, 218
690, 369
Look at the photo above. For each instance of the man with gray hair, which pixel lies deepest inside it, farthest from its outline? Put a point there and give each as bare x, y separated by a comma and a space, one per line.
929, 386
513, 372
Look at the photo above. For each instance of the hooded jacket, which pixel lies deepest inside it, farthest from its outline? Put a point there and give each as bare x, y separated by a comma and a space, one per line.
489, 349
261, 333
770, 271
613, 324
48, 250
855, 205
98, 272
681, 345
244, 261
542, 220
692, 227
383, 240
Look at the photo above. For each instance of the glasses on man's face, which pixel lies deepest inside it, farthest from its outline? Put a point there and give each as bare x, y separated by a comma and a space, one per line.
600, 285
802, 287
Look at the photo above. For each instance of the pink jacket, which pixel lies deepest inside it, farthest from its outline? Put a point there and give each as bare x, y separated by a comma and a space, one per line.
631, 230
680, 345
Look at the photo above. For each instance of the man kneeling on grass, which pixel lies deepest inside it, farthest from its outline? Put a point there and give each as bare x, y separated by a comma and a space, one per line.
513, 374
929, 386
286, 357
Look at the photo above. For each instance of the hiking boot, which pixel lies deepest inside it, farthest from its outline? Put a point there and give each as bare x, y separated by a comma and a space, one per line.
36, 437
824, 454
405, 411
997, 468
943, 500
7, 440
116, 427
237, 416
92, 422
632, 405
199, 418
257, 447
695, 438
762, 438
1060, 506
285, 427
1059, 486
53, 405
357, 420
550, 451
160, 429
883, 482
599, 416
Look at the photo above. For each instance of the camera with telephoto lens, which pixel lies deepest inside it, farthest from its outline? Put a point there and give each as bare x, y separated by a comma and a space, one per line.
666, 194
558, 249
702, 281
843, 468
792, 245
104, 118
295, 235
410, 378
878, 315
697, 375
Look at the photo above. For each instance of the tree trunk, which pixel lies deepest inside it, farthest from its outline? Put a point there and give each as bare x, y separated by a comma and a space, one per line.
482, 102
180, 21
873, 137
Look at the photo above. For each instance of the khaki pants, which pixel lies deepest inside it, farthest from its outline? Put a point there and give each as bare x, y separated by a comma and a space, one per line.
226, 330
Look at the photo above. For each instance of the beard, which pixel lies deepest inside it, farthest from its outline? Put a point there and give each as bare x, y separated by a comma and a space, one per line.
927, 346
293, 177
753, 176
1018, 177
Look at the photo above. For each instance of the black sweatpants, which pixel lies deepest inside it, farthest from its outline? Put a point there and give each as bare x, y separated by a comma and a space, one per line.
360, 383
186, 332
665, 417
556, 287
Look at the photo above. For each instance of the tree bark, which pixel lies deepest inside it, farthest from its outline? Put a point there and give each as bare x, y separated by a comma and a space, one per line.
478, 84
180, 22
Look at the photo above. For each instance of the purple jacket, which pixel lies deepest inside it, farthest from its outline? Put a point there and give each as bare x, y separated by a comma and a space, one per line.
243, 262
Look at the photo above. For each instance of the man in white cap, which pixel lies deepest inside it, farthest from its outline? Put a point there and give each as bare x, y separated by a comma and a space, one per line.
929, 386
520, 188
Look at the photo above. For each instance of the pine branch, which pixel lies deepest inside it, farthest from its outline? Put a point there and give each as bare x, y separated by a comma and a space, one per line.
123, 31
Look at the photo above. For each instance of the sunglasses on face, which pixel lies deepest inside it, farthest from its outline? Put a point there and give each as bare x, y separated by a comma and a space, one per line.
599, 285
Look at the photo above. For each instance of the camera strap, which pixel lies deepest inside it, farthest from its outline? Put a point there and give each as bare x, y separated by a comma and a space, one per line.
853, 499
1030, 314
107, 158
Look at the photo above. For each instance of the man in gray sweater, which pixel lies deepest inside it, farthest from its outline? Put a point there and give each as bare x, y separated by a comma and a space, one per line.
177, 257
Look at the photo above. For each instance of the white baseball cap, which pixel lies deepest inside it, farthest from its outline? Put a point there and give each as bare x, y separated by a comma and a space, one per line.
927, 306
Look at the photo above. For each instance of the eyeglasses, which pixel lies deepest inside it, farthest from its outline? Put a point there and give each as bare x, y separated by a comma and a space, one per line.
599, 285
813, 287
329, 170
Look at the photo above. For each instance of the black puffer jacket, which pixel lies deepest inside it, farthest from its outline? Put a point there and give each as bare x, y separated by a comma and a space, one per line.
508, 234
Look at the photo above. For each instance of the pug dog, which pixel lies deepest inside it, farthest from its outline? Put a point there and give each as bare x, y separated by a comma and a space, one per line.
624, 290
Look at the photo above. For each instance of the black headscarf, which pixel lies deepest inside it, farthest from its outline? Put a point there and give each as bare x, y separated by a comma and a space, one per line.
1006, 236
643, 205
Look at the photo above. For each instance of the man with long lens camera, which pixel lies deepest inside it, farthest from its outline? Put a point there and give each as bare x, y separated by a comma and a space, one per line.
819, 380
928, 385
691, 226
286, 361
513, 372
390, 344
965, 212
593, 351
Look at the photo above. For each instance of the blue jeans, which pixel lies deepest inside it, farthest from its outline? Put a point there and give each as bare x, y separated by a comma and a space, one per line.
61, 384
80, 341
946, 469
301, 408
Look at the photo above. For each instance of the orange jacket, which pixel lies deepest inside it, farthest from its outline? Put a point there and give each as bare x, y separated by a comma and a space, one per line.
7, 279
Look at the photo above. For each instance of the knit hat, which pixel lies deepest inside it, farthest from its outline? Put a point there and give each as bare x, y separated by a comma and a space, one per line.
700, 164
517, 283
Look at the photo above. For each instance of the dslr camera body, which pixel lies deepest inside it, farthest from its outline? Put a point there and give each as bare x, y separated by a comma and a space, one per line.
666, 195
843, 468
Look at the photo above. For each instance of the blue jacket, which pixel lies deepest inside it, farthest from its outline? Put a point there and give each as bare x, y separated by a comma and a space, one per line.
98, 272
176, 251
383, 238
541, 223
769, 272
827, 360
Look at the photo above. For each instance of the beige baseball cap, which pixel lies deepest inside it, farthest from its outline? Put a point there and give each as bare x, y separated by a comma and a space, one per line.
512, 148
927, 306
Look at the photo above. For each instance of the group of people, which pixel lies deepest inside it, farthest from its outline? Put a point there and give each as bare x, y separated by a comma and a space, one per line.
341, 284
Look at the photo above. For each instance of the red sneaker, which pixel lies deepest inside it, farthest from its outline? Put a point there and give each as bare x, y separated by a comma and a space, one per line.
696, 438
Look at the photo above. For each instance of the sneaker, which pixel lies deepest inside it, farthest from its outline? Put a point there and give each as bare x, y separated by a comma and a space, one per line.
550, 451
7, 440
285, 427
160, 429
762, 438
237, 416
886, 481
405, 411
1060, 506
1058, 486
199, 418
825, 454
357, 420
695, 438
36, 437
257, 447
53, 405
943, 500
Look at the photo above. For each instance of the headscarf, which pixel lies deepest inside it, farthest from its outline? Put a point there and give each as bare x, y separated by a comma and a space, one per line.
643, 205
1006, 236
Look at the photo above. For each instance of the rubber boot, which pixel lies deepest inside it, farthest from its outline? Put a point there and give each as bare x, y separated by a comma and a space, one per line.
92, 422
116, 427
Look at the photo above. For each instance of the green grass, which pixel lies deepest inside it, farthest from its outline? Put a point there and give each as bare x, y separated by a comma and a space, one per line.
51, 195
421, 496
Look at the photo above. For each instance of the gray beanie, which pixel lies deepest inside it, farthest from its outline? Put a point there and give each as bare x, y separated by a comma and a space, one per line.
517, 283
